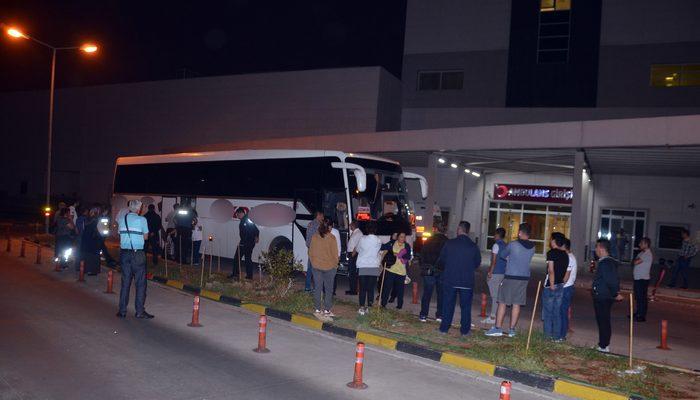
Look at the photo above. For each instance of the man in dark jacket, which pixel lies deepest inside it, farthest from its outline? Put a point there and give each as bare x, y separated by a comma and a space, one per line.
249, 235
459, 258
606, 287
155, 225
431, 274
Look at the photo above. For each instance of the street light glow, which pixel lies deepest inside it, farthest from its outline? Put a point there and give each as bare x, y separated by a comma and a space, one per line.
441, 160
453, 165
476, 174
15, 33
89, 48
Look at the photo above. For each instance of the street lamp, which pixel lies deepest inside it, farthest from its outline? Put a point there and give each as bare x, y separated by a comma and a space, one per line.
89, 48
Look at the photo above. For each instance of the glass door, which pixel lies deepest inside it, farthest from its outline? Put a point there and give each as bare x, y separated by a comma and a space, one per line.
624, 229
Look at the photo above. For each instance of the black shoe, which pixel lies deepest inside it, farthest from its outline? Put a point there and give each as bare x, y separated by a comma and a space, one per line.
144, 315
121, 315
351, 293
391, 299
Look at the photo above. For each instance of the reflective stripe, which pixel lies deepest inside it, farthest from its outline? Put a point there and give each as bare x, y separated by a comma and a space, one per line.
128, 232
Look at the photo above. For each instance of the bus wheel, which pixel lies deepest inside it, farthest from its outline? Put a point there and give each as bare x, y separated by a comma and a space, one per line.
280, 243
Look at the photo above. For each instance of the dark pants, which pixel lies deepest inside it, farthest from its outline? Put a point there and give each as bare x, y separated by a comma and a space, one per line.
429, 283
183, 243
352, 275
449, 301
602, 316
393, 284
197, 257
133, 267
153, 244
246, 257
641, 297
682, 265
105, 253
367, 284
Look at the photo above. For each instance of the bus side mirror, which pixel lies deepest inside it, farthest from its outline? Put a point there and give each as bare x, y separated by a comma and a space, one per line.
358, 170
423, 182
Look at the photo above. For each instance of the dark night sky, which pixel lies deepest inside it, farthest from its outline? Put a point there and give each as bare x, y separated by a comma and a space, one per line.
150, 40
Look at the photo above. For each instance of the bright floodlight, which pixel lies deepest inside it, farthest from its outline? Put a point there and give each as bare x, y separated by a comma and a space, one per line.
476, 174
467, 170
441, 160
89, 48
453, 165
15, 33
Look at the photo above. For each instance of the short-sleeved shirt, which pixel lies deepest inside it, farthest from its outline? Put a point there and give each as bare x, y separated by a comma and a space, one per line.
573, 268
561, 263
500, 267
643, 269
354, 240
368, 254
133, 237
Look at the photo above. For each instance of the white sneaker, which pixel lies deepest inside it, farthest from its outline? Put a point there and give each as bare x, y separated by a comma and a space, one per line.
438, 320
488, 321
317, 312
361, 311
603, 349
327, 313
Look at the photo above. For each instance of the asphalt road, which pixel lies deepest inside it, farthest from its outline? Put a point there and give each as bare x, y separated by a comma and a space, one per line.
60, 340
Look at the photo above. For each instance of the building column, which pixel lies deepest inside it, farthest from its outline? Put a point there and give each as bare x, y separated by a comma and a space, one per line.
579, 207
431, 177
458, 210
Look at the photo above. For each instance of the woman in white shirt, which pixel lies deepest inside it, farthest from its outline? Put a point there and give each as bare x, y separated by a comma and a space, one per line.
368, 262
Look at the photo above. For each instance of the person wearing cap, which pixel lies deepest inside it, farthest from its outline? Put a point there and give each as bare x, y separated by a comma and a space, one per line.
133, 232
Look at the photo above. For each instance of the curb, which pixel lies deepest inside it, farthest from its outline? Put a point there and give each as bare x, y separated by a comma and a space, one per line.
547, 383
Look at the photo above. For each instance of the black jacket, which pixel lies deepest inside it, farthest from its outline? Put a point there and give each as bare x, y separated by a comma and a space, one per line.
430, 253
154, 222
606, 282
248, 232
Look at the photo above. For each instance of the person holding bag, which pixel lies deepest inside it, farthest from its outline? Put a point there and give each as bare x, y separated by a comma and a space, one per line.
395, 273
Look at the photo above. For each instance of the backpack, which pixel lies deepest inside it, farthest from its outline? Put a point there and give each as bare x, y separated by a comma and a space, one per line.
389, 258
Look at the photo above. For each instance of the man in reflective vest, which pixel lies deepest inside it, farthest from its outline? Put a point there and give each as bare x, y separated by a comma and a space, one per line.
133, 231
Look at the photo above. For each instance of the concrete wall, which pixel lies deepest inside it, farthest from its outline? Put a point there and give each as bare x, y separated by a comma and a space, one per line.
94, 125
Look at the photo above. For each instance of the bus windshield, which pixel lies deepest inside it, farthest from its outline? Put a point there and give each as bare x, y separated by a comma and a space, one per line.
384, 200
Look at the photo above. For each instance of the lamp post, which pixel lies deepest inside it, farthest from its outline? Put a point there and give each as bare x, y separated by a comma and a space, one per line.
88, 48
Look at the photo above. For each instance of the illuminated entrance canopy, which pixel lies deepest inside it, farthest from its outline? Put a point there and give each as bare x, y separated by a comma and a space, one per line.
542, 194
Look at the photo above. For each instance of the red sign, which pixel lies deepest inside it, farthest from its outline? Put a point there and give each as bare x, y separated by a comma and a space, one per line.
539, 194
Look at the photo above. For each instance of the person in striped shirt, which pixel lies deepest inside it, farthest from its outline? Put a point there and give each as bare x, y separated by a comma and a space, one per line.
688, 251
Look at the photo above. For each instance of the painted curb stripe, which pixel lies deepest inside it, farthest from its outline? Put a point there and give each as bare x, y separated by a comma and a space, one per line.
191, 289
307, 322
419, 351
526, 378
210, 295
369, 338
468, 363
337, 330
271, 312
230, 300
175, 284
158, 279
585, 392
257, 308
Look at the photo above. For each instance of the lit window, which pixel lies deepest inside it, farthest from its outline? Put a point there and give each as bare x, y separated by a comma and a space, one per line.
555, 5
670, 75
440, 80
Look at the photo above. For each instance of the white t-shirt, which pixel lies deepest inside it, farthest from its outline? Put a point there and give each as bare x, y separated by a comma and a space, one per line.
495, 248
572, 268
643, 269
368, 252
336, 234
354, 240
197, 233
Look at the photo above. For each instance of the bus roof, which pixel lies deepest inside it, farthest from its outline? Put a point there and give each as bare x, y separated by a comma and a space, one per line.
241, 155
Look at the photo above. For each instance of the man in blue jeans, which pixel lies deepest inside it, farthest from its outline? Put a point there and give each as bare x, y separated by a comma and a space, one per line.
133, 231
557, 264
431, 273
459, 258
688, 251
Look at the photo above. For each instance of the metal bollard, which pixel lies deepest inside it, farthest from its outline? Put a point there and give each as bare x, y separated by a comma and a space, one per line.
81, 274
664, 336
483, 305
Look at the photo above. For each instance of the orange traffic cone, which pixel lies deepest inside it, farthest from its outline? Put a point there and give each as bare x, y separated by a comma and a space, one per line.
262, 335
505, 391
195, 314
110, 282
359, 364
81, 275
664, 336
483, 305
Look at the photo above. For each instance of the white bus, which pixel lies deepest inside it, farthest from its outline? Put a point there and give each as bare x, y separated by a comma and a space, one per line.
345, 186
